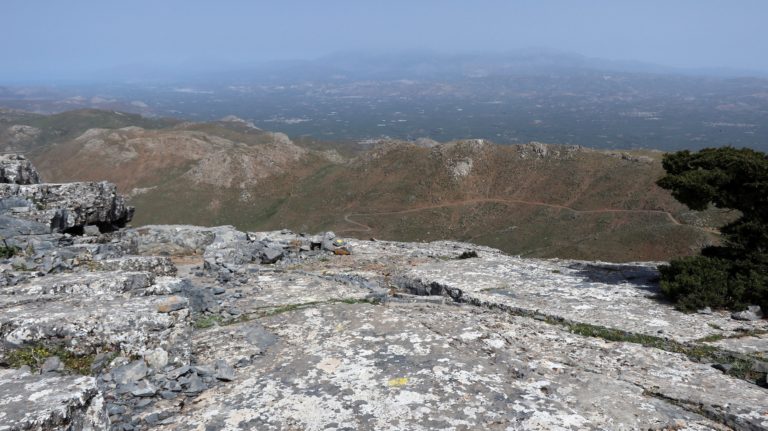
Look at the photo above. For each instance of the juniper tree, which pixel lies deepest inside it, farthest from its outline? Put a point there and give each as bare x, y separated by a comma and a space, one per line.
734, 274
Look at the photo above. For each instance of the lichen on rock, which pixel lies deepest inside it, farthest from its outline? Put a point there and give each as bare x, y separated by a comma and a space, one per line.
186, 327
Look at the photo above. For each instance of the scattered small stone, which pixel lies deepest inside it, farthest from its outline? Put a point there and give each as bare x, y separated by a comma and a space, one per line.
100, 361
52, 364
157, 358
178, 372
123, 389
168, 395
130, 373
115, 409
753, 312
224, 372
705, 310
224, 276
152, 419
204, 370
174, 303
91, 230
218, 290
143, 389
271, 255
173, 386
327, 241
143, 402
167, 421
194, 385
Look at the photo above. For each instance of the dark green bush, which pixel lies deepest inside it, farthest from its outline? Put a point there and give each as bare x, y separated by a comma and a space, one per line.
701, 281
8, 251
735, 274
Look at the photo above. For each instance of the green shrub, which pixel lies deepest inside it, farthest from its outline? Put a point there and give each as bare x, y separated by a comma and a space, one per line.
35, 355
735, 274
8, 251
701, 281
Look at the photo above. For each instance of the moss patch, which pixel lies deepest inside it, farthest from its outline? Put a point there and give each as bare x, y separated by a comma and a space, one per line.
35, 355
741, 365
205, 322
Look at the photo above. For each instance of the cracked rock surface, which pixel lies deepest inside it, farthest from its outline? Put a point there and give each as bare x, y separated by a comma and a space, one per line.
33, 402
16, 169
193, 328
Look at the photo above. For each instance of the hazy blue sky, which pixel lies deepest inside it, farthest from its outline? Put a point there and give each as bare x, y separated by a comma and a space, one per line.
46, 38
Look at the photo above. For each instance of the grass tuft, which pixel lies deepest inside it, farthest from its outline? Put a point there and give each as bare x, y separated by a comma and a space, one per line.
35, 355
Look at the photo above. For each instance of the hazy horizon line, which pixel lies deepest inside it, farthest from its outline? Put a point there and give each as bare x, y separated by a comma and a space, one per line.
208, 66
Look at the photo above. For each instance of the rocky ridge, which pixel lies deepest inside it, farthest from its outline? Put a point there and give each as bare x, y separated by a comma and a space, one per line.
186, 327
564, 201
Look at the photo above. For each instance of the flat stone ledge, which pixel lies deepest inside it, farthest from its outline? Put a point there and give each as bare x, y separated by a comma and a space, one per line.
50, 402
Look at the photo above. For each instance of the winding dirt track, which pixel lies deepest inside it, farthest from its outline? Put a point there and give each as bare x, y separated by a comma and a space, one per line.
365, 228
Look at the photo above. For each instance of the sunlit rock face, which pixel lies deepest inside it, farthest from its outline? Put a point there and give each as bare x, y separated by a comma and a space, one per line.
16, 169
188, 327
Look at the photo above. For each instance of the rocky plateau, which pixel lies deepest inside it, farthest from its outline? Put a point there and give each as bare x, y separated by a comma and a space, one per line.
177, 327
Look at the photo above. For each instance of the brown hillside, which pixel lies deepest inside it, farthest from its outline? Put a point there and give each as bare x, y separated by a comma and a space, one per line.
533, 199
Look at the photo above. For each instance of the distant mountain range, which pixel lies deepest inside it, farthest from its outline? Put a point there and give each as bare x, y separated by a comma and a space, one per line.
508, 98
431, 65
532, 199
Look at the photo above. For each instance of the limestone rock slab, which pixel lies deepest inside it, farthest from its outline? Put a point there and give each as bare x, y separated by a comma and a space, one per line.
65, 206
16, 169
50, 402
421, 367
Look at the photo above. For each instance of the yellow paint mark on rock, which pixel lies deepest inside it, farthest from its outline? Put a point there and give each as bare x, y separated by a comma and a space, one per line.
397, 382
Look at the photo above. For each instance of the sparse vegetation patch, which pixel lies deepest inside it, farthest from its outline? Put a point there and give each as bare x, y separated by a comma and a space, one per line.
35, 355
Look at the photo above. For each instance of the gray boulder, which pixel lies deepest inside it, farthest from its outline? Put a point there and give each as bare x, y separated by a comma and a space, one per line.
51, 402
16, 169
131, 372
753, 312
52, 364
327, 241
63, 207
271, 255
224, 371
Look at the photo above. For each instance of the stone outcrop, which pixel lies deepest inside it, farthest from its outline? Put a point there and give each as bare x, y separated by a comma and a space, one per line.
16, 169
184, 327
50, 402
64, 207
28, 207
